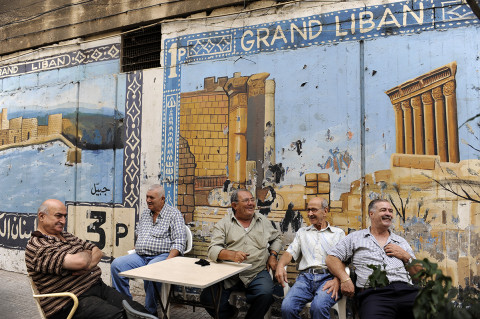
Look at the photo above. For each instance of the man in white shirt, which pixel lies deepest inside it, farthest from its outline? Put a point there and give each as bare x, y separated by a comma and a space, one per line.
315, 284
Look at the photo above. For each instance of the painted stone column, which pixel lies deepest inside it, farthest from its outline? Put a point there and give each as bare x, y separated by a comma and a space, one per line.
429, 120
4, 119
440, 124
256, 129
418, 125
400, 136
432, 98
407, 123
452, 124
236, 89
269, 134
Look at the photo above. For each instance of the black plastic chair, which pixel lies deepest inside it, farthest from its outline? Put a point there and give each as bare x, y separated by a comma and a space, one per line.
134, 314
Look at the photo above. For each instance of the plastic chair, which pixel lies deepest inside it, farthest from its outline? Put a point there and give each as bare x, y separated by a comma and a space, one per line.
134, 314
340, 307
189, 243
37, 296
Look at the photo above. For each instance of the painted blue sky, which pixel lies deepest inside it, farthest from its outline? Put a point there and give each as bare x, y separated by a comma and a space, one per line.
63, 87
34, 173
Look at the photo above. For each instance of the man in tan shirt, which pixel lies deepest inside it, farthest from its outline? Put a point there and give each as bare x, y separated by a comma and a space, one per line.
244, 236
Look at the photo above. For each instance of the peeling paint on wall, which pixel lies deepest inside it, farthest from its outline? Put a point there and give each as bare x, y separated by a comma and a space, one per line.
337, 161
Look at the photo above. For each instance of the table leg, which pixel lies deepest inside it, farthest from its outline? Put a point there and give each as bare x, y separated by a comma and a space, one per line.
164, 296
216, 298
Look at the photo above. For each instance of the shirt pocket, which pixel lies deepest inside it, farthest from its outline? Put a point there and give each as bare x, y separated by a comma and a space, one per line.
258, 239
160, 231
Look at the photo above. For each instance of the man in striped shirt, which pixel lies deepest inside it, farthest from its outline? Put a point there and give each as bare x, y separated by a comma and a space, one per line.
314, 283
58, 261
377, 245
160, 235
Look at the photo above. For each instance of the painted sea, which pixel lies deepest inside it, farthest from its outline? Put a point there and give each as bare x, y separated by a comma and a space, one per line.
31, 174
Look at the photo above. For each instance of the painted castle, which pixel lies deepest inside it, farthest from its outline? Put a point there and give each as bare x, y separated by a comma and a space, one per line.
21, 131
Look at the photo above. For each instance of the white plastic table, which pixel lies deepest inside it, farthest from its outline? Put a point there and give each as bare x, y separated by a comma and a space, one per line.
183, 271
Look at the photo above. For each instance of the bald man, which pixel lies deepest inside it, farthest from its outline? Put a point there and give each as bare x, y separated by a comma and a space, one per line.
315, 283
58, 261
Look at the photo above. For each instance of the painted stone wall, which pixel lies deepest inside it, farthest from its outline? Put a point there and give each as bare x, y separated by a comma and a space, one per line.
348, 101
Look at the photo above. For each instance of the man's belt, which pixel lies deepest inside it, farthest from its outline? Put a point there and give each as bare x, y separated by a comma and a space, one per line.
358, 289
315, 271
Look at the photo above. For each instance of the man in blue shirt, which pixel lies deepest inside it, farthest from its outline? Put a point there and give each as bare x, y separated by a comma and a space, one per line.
160, 235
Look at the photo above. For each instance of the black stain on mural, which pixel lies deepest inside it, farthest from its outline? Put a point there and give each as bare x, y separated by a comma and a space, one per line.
293, 218
298, 145
264, 205
277, 171
225, 185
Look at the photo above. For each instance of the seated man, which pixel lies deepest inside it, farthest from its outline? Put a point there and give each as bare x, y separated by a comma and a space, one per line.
160, 235
377, 245
58, 261
244, 236
314, 283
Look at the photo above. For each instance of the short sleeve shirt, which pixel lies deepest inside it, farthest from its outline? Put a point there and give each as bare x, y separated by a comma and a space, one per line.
362, 247
167, 233
313, 245
44, 256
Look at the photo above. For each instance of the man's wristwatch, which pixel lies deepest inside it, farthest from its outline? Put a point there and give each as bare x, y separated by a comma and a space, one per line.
273, 254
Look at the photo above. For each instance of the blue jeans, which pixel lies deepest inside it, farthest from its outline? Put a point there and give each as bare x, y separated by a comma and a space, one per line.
132, 261
259, 294
308, 288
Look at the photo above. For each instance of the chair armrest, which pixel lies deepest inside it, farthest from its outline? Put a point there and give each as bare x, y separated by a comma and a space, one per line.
286, 288
62, 294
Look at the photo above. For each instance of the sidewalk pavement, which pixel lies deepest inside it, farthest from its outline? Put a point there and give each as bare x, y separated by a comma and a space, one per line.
16, 301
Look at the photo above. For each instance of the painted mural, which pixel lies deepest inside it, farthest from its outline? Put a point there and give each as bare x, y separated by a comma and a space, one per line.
353, 104
63, 135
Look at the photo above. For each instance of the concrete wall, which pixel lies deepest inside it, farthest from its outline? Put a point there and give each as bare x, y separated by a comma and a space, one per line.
311, 99
27, 24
